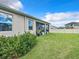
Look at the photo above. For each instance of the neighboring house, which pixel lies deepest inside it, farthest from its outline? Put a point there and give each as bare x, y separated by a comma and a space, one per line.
61, 27
16, 22
53, 27
72, 25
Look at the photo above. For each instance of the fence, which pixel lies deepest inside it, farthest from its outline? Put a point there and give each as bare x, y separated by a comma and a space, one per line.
64, 30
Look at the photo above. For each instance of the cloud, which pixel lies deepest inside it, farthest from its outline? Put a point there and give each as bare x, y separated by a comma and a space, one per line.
61, 18
15, 4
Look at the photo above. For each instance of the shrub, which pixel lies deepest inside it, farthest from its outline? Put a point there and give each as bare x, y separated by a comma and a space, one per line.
16, 46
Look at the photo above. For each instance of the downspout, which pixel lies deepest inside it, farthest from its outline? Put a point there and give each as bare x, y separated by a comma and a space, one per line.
24, 24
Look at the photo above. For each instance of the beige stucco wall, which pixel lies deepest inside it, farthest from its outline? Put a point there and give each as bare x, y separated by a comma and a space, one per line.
26, 26
17, 25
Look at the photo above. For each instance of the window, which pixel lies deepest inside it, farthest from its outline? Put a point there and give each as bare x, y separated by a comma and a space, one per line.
5, 22
30, 24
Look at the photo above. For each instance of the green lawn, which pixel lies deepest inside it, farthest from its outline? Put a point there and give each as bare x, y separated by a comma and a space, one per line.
55, 46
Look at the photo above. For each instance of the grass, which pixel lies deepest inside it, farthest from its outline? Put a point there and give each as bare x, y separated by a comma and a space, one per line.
55, 46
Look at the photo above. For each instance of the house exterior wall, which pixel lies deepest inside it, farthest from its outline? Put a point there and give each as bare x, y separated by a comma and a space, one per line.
19, 24
27, 28
74, 26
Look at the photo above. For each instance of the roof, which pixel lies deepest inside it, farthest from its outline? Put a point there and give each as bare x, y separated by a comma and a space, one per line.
3, 7
72, 23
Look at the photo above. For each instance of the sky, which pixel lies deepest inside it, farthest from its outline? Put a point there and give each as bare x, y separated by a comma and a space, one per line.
56, 12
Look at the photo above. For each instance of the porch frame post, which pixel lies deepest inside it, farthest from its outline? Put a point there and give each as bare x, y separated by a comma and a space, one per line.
34, 27
45, 29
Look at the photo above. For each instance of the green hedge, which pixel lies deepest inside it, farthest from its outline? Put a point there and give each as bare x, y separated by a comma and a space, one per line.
16, 46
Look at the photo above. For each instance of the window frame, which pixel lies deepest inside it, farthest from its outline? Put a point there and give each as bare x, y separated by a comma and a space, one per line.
7, 14
30, 27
